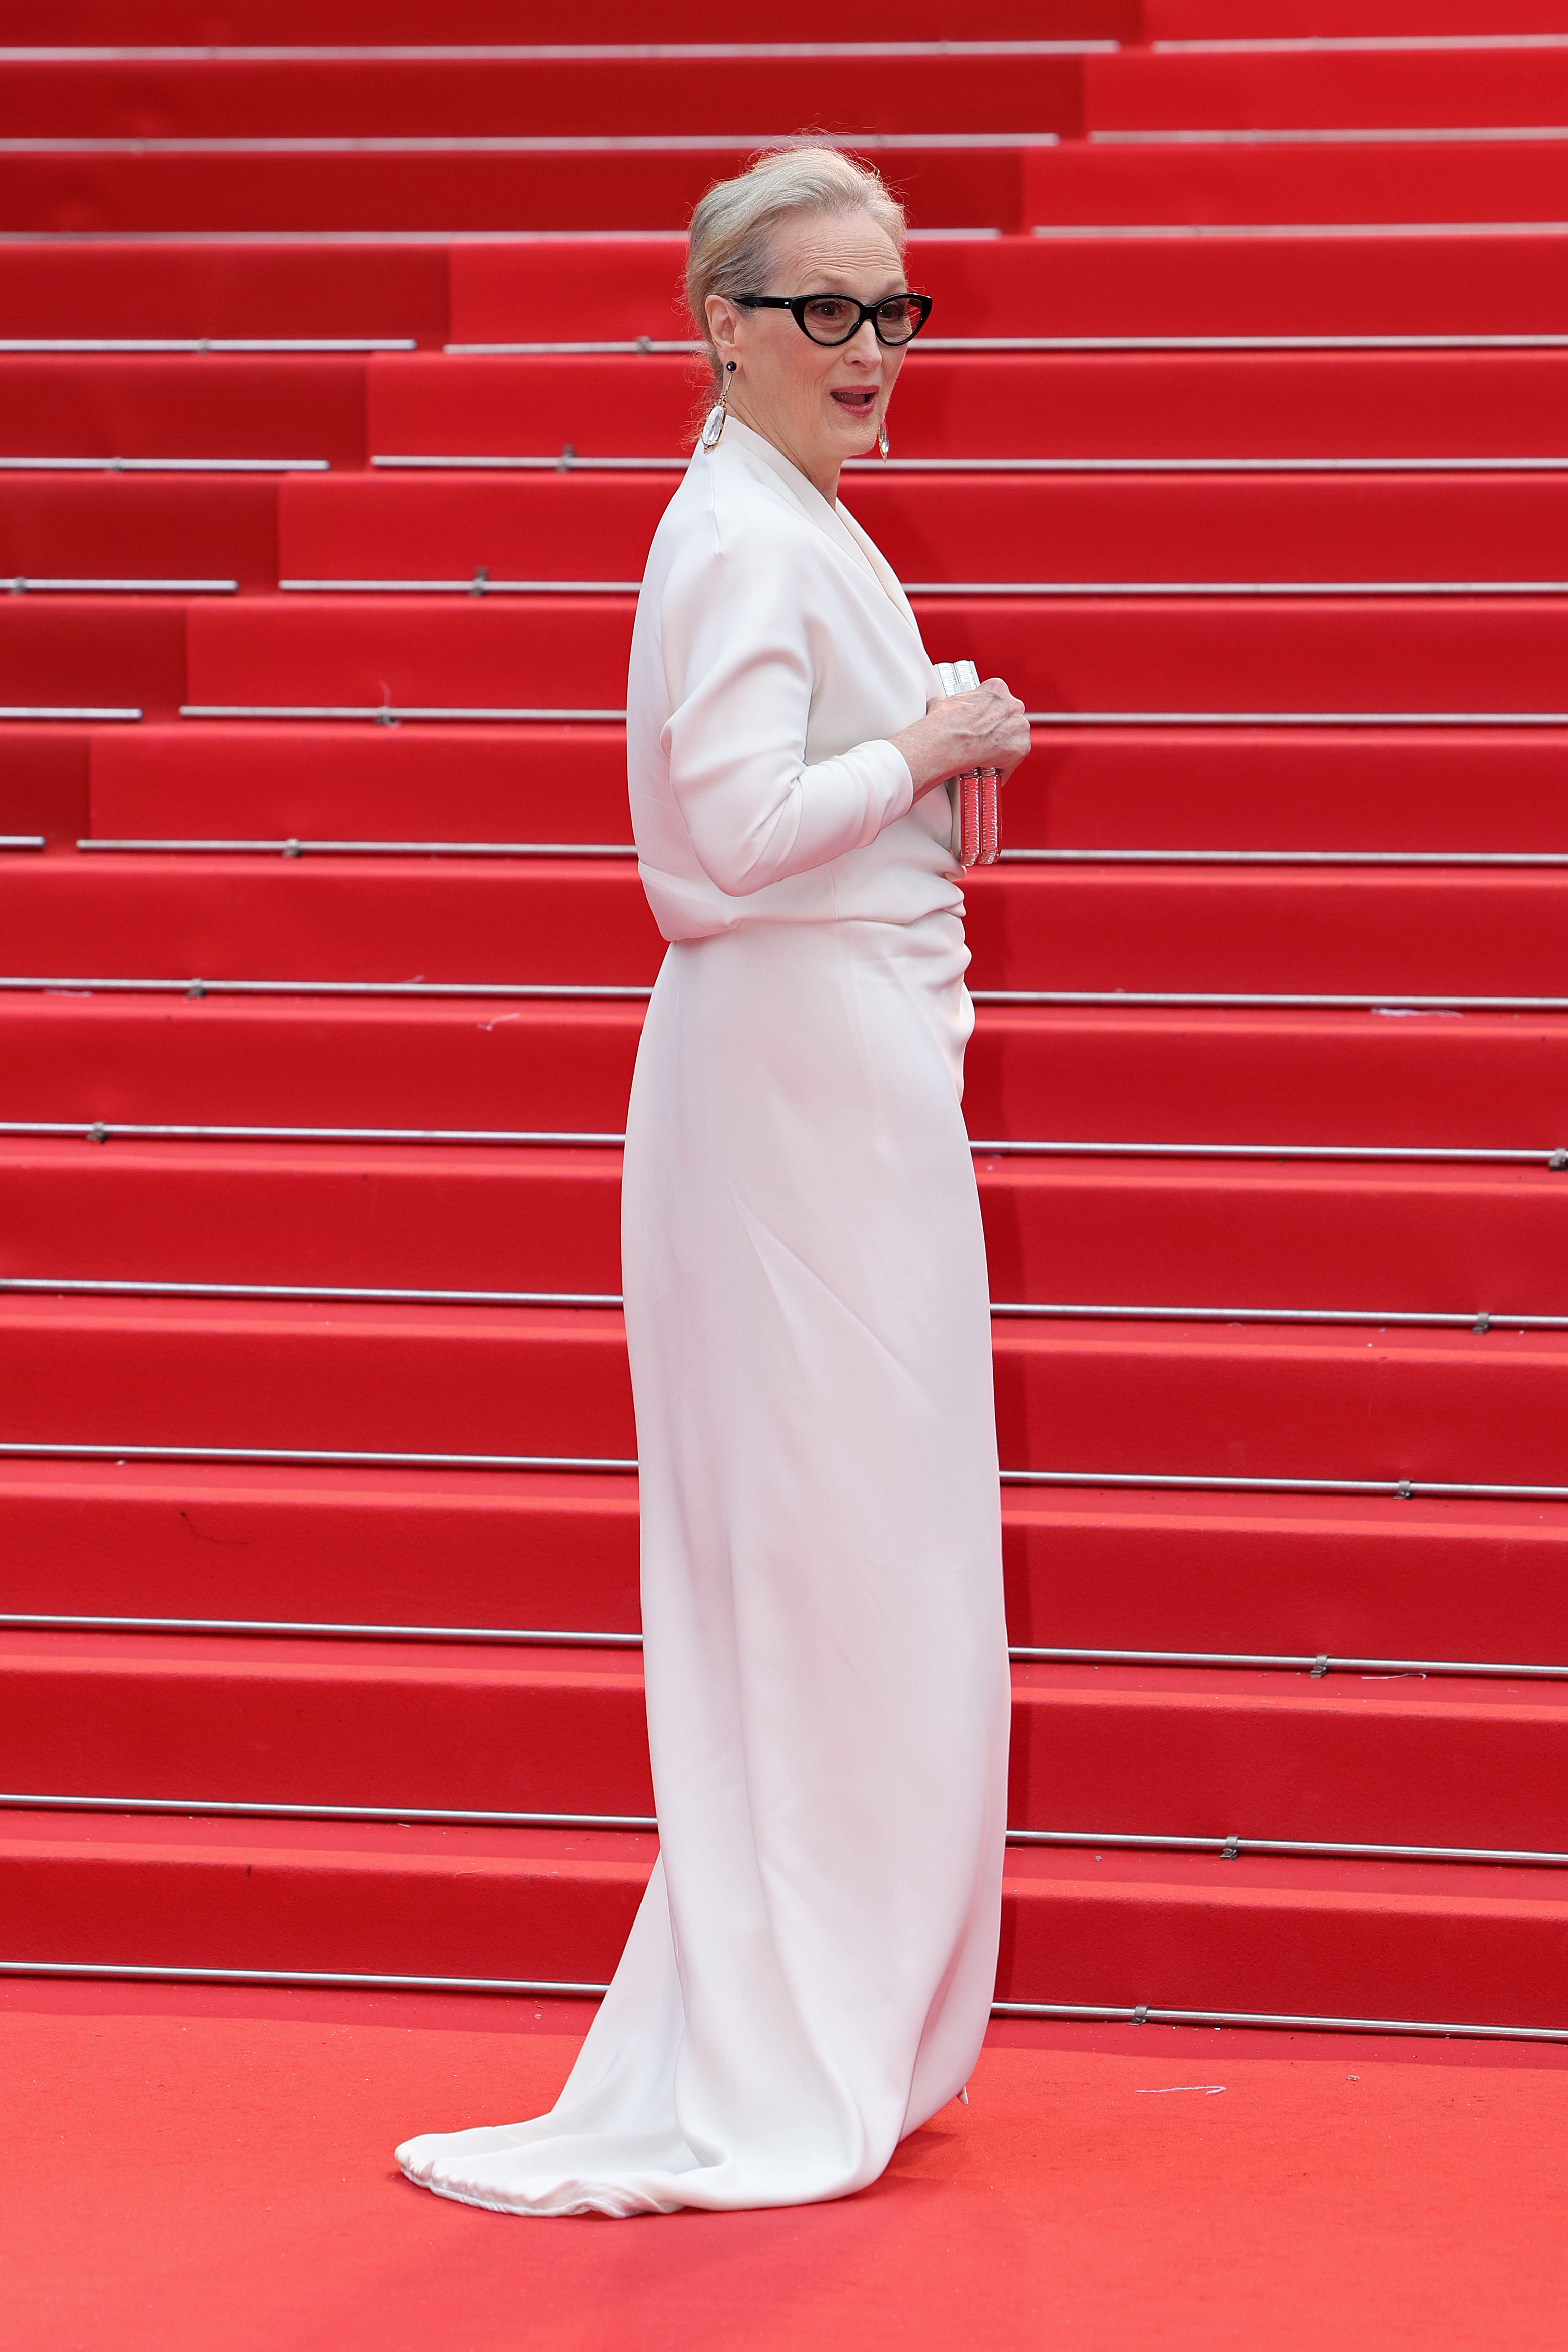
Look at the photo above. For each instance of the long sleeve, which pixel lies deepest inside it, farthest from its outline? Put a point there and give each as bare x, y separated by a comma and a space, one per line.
743, 655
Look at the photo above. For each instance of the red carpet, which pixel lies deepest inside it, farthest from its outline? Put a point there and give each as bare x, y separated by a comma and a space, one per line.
203, 2168
1238, 444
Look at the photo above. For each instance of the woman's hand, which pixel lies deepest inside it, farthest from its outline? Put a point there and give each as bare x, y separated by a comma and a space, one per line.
984, 729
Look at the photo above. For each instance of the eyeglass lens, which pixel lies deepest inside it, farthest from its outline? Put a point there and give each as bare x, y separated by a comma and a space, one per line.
833, 319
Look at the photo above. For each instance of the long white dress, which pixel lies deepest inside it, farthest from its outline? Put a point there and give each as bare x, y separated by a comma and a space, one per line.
810, 1973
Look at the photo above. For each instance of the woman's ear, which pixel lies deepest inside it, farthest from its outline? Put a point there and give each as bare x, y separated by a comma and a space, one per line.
723, 325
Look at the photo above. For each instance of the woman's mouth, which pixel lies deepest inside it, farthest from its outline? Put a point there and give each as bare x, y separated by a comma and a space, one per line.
859, 403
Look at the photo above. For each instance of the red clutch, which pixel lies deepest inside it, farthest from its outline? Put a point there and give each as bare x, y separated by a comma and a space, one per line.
976, 797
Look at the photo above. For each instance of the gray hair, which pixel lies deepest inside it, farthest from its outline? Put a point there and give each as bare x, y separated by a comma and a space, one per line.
734, 225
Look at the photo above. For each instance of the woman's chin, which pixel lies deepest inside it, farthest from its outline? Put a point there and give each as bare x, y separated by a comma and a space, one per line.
855, 430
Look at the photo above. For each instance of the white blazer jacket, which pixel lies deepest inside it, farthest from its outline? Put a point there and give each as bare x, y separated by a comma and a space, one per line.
774, 655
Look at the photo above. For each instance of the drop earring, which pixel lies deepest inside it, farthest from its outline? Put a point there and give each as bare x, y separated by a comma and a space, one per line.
713, 423
882, 442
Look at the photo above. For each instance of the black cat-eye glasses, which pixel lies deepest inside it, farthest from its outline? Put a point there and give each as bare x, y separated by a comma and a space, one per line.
838, 317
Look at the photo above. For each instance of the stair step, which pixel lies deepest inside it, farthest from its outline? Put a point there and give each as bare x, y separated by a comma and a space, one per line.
1366, 88
544, 95
203, 404
526, 288
585, 922
1377, 1078
1286, 1575
224, 288
1184, 20
1400, 791
44, 782
240, 191
1201, 653
1304, 1938
1084, 1398
506, 1382
401, 1218
1466, 1945
363, 1897
1145, 1751
93, 652
1396, 180
225, 781
317, 1062
1339, 1759
1112, 527
1476, 1081
451, 1727
358, 24
536, 1550
1407, 790
140, 526
1363, 405
1163, 1233
1293, 1575
522, 289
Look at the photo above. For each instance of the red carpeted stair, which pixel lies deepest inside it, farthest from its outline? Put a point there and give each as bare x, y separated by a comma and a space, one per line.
329, 471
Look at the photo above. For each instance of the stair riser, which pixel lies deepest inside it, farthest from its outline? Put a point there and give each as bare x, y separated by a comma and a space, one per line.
371, 192
553, 652
555, 1386
465, 1066
1070, 1941
569, 653
204, 404
1306, 1761
1327, 89
1288, 1577
1208, 1078
314, 1547
1400, 791
425, 1915
544, 783
948, 405
588, 922
512, 291
339, 918
1095, 1233
1281, 1758
571, 1742
1261, 1953
1474, 1082
217, 98
1238, 528
94, 652
44, 786
969, 404
1393, 181
1081, 1398
201, 287
136, 526
1004, 189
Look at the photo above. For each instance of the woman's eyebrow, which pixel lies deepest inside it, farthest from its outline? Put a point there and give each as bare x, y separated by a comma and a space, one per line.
836, 281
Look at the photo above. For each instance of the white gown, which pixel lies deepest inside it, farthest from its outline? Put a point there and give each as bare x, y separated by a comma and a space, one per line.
811, 1971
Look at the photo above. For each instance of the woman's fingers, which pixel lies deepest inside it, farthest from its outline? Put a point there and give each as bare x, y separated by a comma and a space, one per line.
1001, 727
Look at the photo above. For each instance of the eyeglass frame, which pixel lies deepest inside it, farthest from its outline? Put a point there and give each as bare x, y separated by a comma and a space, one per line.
795, 304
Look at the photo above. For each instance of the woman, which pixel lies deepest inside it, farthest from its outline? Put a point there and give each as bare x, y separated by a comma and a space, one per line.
810, 1973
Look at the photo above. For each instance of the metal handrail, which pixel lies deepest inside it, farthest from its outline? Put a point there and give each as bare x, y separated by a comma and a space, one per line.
1418, 1155
1020, 1654
1157, 1482
1228, 1849
1476, 1320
